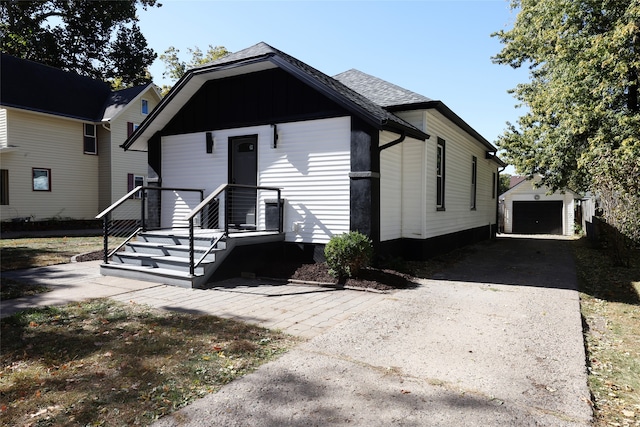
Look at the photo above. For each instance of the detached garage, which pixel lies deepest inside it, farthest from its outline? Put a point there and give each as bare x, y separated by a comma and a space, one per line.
529, 210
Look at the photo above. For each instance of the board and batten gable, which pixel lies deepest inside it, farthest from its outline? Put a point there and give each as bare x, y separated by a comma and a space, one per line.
310, 163
49, 142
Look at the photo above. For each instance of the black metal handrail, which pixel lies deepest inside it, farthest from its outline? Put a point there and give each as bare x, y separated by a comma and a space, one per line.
215, 195
134, 223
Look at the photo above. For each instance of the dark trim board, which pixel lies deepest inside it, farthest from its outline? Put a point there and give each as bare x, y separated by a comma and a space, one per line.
419, 250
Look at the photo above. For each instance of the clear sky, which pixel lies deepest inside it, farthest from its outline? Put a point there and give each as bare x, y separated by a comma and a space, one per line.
440, 49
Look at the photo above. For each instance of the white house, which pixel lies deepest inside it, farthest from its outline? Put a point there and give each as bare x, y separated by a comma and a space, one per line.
527, 209
60, 137
350, 152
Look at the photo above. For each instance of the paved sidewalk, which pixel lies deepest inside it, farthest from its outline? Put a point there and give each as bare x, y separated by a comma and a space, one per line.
69, 283
300, 310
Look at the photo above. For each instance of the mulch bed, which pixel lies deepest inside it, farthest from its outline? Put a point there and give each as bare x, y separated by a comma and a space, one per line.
370, 278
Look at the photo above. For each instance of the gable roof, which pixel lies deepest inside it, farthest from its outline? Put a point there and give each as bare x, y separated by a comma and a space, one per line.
262, 57
118, 100
395, 98
531, 183
32, 86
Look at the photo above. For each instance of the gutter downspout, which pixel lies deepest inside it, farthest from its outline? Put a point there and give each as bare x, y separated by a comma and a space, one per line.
498, 199
394, 142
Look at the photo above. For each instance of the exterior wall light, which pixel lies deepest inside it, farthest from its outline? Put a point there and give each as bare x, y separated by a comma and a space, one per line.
209, 143
274, 141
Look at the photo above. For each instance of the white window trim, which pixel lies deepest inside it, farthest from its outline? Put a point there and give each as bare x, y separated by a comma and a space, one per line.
142, 104
94, 137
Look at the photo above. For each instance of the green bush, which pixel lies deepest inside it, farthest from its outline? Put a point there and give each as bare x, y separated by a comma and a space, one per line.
348, 253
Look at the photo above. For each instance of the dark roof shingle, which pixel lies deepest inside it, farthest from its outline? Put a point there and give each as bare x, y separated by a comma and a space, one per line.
380, 91
37, 87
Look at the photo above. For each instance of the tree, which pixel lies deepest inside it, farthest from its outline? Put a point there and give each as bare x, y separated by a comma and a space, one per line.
504, 182
97, 39
176, 68
582, 127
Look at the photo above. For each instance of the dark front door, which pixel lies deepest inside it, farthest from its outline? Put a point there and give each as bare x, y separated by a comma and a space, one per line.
537, 217
243, 170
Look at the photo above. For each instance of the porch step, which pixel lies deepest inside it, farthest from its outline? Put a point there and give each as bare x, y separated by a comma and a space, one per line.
151, 274
159, 249
163, 256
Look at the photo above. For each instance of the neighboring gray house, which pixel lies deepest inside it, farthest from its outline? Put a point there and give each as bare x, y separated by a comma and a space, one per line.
350, 152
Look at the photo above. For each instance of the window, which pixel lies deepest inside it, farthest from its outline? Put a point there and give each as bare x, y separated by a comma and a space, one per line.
145, 107
41, 179
134, 181
474, 181
4, 186
90, 141
131, 127
440, 159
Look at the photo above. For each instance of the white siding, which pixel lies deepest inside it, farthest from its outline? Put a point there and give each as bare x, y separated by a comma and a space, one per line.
460, 148
123, 162
49, 142
310, 164
105, 150
413, 188
416, 117
390, 189
3, 127
408, 186
402, 188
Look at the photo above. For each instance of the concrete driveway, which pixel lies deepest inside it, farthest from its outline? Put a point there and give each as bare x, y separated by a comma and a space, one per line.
494, 341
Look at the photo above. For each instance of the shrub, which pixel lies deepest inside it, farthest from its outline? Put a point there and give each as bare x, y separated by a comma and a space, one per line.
348, 253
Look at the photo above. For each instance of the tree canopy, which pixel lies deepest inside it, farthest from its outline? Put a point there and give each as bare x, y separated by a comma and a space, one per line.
582, 125
176, 68
97, 39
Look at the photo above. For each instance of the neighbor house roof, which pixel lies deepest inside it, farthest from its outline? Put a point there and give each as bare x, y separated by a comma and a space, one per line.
118, 100
32, 86
261, 57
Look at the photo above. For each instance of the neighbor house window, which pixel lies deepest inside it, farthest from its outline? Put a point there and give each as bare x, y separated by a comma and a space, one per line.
474, 181
4, 186
90, 140
145, 107
41, 179
440, 158
131, 127
134, 181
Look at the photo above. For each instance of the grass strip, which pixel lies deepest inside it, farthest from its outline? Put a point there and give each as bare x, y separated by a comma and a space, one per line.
610, 305
101, 362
